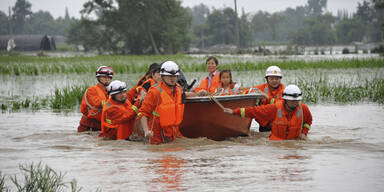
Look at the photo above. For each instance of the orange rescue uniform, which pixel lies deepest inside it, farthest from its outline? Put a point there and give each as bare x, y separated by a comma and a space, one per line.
274, 96
117, 119
285, 125
91, 107
165, 110
212, 87
135, 91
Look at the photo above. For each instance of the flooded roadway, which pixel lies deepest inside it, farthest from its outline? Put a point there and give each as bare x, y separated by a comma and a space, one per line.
345, 152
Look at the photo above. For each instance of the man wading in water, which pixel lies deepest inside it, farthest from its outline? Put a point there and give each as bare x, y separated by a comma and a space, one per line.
94, 99
273, 88
289, 119
162, 110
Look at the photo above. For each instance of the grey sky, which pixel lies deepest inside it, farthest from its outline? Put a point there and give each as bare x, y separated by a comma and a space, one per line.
57, 7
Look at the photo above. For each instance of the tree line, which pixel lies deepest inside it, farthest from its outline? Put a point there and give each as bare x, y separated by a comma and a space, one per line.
24, 21
152, 26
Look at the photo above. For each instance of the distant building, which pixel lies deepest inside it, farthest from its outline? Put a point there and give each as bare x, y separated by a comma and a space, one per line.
28, 42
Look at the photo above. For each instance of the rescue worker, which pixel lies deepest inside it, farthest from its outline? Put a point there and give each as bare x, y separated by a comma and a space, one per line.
162, 109
153, 78
289, 119
210, 83
273, 89
94, 99
118, 115
135, 91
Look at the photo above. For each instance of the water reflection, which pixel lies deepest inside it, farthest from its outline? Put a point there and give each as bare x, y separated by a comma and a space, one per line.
290, 167
169, 173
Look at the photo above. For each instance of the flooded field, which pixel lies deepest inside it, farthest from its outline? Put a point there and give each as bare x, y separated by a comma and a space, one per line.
345, 150
345, 153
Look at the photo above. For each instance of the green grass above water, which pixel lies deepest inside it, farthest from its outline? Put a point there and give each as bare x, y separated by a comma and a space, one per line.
31, 65
314, 92
36, 177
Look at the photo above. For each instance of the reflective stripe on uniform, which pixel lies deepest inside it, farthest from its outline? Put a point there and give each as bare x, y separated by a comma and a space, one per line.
307, 126
242, 112
155, 113
279, 113
89, 105
134, 108
107, 120
137, 90
299, 112
266, 90
272, 101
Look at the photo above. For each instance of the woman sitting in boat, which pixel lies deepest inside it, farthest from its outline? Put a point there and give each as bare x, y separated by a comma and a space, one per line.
212, 81
227, 86
290, 119
118, 116
162, 110
150, 78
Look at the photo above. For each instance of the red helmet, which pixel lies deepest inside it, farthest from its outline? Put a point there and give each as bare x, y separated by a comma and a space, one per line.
104, 71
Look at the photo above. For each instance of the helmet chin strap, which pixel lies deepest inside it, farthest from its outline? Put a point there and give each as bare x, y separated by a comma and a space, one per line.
166, 82
290, 108
114, 98
98, 79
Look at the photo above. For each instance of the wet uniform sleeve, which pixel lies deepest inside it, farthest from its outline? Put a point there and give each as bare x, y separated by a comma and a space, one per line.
93, 98
307, 119
131, 94
120, 115
150, 102
263, 114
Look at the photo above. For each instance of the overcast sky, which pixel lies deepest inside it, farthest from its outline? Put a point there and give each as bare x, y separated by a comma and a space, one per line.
57, 7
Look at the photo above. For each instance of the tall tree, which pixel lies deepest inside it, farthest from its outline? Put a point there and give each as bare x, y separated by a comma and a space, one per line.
40, 22
4, 25
133, 26
349, 30
259, 26
21, 11
199, 24
66, 17
316, 7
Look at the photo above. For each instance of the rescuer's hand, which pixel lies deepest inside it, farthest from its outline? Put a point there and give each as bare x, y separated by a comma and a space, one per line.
228, 111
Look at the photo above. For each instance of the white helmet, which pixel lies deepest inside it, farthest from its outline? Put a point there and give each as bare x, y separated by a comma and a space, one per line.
273, 71
116, 86
292, 92
169, 68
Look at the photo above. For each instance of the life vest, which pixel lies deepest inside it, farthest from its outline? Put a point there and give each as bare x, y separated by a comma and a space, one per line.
282, 128
214, 84
116, 131
170, 110
93, 111
274, 96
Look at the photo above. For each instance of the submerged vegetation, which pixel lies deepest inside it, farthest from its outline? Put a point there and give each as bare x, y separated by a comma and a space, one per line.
67, 98
317, 88
37, 177
315, 91
321, 91
29, 65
